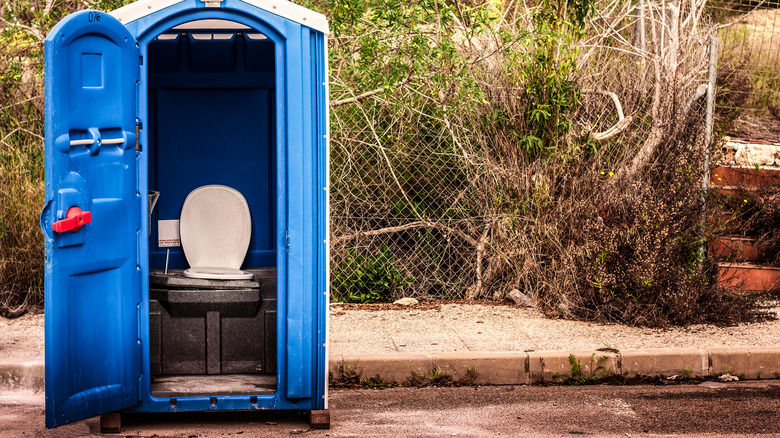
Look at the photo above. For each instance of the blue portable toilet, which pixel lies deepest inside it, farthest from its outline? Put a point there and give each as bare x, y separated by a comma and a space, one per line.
165, 97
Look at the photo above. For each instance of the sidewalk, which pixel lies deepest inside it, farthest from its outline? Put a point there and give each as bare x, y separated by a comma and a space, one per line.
508, 345
474, 327
499, 344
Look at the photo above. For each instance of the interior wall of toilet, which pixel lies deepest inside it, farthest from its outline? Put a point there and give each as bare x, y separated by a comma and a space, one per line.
210, 121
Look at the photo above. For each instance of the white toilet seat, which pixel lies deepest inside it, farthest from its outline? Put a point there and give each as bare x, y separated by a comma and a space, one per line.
215, 227
209, 273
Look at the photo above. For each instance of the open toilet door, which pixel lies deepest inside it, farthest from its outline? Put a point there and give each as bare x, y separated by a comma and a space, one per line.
91, 219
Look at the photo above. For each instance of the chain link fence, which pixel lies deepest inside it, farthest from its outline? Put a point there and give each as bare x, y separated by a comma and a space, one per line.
403, 207
439, 188
749, 63
433, 197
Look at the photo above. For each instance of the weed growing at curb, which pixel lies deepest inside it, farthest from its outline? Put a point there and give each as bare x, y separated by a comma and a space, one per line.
350, 377
593, 372
578, 376
375, 382
439, 377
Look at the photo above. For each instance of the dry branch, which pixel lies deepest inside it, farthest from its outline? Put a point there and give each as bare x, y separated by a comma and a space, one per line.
623, 121
743, 17
357, 98
476, 289
410, 226
367, 94
32, 30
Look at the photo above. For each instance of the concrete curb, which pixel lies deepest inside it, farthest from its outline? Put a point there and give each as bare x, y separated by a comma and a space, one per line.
509, 368
518, 368
25, 376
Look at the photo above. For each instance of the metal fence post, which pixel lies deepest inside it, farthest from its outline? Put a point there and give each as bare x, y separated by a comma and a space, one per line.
708, 128
709, 120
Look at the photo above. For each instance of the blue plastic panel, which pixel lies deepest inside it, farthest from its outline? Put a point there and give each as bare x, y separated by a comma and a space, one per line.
297, 103
322, 290
211, 136
306, 216
303, 243
92, 276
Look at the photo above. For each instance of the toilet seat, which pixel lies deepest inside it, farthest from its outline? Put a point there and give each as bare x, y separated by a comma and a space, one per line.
215, 227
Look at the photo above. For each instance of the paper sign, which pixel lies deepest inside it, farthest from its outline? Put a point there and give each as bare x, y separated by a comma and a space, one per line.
168, 233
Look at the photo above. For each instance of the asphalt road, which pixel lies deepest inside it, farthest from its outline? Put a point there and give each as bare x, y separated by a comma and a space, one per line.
685, 410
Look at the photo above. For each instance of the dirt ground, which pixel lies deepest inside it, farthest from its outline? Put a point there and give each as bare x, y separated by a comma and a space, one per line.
21, 339
446, 326
764, 128
744, 409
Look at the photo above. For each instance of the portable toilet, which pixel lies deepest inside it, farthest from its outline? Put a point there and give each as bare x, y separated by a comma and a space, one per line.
220, 108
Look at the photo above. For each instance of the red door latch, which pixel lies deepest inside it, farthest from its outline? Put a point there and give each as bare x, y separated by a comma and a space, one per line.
74, 220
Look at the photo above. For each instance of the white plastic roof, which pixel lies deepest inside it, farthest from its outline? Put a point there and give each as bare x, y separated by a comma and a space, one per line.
282, 8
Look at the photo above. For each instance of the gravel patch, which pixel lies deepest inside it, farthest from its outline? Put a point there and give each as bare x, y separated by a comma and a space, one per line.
475, 327
21, 339
460, 327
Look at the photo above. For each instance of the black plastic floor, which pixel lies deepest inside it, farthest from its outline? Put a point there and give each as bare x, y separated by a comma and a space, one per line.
211, 385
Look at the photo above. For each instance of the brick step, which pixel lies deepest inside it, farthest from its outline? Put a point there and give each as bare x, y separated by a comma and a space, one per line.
748, 278
738, 249
724, 223
736, 191
745, 176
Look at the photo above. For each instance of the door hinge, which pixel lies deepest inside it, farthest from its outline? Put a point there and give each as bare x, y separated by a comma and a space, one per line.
137, 135
138, 322
287, 238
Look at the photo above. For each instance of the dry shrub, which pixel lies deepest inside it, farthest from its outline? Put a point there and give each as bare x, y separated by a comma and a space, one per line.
21, 244
442, 174
23, 26
21, 196
749, 54
591, 245
21, 162
471, 155
734, 88
639, 256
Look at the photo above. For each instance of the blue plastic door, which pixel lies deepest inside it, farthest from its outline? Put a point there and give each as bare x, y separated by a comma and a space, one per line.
91, 220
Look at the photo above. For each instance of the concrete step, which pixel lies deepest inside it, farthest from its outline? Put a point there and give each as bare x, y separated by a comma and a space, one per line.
24, 376
748, 278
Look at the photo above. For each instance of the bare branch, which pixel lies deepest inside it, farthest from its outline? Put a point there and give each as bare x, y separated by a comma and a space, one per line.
733, 22
613, 131
623, 121
367, 94
34, 31
47, 9
406, 227
609, 94
21, 102
389, 164
476, 289
357, 98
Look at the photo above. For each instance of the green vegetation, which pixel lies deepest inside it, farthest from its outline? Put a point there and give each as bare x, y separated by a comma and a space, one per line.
592, 373
351, 377
750, 50
368, 279
438, 377
476, 148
